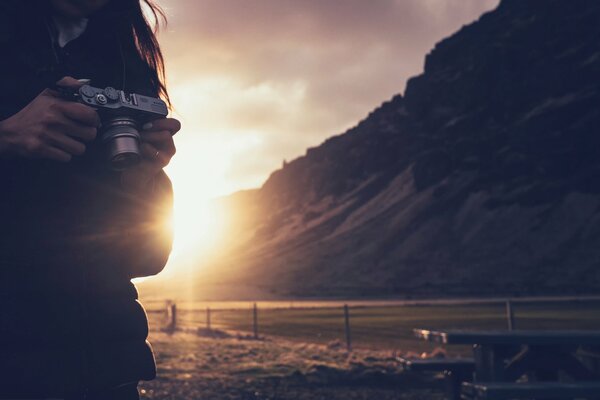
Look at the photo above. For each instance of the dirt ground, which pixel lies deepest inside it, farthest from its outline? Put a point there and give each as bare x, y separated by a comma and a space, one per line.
226, 366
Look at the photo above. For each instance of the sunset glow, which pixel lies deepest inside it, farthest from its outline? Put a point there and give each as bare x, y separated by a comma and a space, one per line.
195, 222
258, 83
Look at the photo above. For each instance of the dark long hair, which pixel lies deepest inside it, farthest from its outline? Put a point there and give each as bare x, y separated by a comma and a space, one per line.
140, 33
135, 30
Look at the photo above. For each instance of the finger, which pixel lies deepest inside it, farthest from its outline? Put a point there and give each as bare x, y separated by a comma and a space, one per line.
71, 83
163, 141
66, 144
74, 129
154, 155
85, 133
66, 82
157, 137
165, 124
169, 147
55, 154
80, 113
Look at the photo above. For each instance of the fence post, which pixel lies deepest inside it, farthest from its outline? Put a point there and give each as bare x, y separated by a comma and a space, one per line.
510, 315
208, 318
255, 317
347, 324
171, 317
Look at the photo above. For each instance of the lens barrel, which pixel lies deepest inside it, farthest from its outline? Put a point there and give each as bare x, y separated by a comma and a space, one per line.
122, 138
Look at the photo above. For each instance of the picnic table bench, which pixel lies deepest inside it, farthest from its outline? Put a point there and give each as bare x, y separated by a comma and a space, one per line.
437, 364
455, 370
503, 357
544, 390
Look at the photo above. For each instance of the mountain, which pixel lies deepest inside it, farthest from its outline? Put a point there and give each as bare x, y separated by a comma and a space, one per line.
482, 179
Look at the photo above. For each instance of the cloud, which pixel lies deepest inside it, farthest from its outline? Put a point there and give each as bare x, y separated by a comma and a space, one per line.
273, 77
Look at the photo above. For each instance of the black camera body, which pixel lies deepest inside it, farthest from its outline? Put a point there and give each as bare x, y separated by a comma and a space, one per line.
122, 115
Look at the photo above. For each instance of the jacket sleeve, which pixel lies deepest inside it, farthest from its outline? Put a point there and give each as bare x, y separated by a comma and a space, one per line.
141, 226
7, 22
8, 53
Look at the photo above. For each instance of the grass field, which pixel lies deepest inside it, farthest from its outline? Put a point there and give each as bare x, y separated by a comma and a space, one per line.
304, 355
390, 327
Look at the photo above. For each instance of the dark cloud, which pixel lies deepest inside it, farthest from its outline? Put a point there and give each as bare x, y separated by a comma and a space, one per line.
293, 72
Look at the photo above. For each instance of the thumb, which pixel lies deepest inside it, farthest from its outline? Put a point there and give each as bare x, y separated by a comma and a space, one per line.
66, 84
71, 83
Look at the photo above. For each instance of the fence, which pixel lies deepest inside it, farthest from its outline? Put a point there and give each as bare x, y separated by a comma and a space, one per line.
379, 325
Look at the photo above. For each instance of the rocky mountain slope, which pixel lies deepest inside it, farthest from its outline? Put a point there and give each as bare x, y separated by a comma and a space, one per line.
483, 179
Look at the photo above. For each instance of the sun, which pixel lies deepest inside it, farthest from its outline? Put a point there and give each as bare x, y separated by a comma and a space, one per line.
196, 225
196, 219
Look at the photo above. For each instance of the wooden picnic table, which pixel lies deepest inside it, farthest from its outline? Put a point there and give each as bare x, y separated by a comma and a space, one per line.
505, 356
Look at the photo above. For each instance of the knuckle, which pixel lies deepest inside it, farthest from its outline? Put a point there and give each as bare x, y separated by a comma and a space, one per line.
54, 106
72, 106
43, 136
81, 109
148, 148
165, 136
55, 109
89, 134
76, 109
36, 131
80, 149
89, 114
33, 146
49, 118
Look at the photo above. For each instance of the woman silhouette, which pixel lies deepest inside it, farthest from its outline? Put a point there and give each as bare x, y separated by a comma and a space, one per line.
74, 232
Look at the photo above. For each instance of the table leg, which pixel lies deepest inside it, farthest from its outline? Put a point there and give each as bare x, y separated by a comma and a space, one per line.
490, 363
544, 363
454, 379
519, 365
452, 383
574, 367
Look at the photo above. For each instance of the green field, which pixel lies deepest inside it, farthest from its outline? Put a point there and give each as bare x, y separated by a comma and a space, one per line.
390, 327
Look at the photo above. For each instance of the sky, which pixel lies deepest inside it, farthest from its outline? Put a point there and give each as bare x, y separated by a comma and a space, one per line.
257, 82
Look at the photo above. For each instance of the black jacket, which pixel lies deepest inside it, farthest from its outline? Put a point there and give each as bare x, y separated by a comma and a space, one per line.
71, 238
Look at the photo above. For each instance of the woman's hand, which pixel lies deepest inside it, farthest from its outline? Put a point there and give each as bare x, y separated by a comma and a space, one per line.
49, 127
157, 150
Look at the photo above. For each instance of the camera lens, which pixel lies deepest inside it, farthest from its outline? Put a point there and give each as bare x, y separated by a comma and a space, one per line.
122, 138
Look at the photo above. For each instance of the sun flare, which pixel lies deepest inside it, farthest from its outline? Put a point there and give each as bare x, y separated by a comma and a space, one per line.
196, 227
196, 221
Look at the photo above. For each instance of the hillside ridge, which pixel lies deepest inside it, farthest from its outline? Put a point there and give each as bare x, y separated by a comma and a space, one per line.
483, 179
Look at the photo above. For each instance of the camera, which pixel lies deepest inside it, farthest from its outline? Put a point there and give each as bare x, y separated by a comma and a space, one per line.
122, 115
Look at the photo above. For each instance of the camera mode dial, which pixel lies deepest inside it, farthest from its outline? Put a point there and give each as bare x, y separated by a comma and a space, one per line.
111, 93
87, 91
